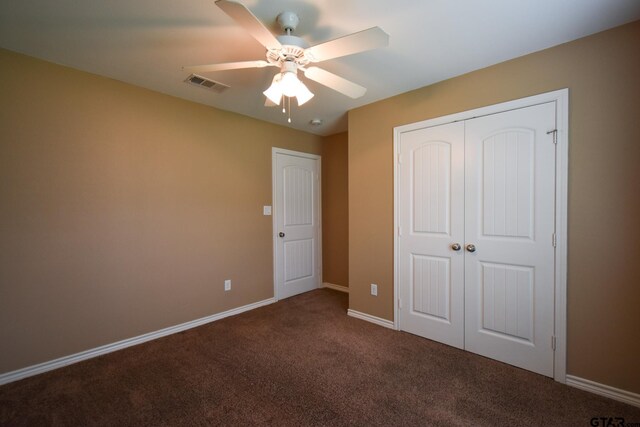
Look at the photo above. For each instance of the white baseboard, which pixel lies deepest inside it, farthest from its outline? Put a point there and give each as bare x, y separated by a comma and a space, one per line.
108, 348
335, 287
369, 318
604, 390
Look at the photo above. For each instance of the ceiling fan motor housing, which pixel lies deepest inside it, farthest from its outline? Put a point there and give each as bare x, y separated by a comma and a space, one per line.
292, 49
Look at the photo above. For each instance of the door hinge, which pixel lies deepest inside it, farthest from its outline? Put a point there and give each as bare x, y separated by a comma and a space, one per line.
399, 304
553, 342
399, 231
554, 240
555, 135
399, 158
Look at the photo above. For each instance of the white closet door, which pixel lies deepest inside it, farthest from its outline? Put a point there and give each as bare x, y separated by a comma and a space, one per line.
297, 219
509, 205
431, 217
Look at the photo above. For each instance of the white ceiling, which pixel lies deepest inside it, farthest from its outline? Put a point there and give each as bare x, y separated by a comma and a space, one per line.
146, 42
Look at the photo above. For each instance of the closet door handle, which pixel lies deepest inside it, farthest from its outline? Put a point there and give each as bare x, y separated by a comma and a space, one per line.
281, 234
471, 247
456, 246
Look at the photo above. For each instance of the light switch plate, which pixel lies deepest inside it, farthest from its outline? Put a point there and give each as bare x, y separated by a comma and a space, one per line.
266, 210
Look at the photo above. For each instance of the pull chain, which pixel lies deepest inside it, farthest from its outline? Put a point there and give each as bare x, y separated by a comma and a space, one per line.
286, 107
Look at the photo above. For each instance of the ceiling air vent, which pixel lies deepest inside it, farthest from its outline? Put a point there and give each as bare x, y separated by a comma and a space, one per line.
206, 83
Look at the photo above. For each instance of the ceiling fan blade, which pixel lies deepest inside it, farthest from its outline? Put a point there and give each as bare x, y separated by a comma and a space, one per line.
269, 103
243, 17
372, 38
335, 82
226, 66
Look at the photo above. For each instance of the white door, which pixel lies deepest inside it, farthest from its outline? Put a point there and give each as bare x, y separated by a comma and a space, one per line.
510, 212
431, 214
487, 184
296, 222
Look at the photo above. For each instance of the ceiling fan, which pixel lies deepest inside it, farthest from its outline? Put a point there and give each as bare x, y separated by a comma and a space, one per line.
291, 53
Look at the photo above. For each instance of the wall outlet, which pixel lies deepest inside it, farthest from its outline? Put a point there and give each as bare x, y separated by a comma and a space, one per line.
227, 285
266, 210
374, 289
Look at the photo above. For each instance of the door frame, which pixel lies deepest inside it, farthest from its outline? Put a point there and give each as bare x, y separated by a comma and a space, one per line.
561, 98
275, 214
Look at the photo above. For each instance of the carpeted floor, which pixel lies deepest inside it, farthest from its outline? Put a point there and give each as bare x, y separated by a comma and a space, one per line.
300, 361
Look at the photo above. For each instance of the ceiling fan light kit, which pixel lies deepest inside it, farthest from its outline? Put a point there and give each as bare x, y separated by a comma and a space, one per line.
286, 83
291, 53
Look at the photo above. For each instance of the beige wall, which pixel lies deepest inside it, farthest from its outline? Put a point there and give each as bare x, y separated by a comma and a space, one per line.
122, 210
602, 74
335, 210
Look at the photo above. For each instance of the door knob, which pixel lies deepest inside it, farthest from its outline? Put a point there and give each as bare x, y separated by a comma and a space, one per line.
471, 247
281, 234
456, 246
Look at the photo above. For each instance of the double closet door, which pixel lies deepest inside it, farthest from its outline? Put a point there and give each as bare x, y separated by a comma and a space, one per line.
476, 246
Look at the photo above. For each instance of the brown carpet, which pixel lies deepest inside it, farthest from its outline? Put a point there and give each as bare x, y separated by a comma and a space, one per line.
300, 361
